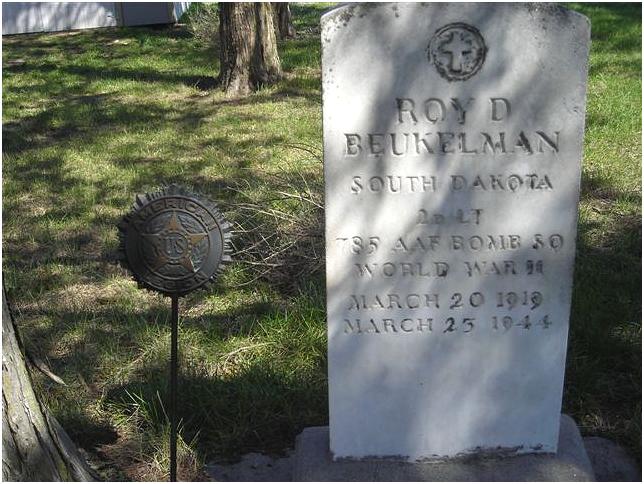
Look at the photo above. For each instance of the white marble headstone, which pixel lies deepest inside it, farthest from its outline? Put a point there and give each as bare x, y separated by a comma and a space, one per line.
452, 149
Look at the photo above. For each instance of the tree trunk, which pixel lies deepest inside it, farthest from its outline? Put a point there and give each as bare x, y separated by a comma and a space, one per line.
34, 445
248, 52
284, 20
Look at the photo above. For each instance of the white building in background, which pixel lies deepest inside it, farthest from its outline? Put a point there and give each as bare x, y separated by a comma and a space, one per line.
28, 17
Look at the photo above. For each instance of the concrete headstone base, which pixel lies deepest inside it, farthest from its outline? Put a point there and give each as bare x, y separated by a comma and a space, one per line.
313, 463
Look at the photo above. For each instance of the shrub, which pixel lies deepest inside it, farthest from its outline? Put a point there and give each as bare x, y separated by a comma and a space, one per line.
202, 20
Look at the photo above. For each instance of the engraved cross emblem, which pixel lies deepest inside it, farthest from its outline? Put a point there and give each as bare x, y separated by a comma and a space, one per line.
458, 49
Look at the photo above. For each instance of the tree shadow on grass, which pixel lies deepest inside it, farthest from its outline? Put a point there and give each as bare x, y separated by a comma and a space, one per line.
614, 43
82, 244
606, 15
106, 326
603, 371
202, 83
93, 117
81, 342
248, 403
79, 40
255, 409
90, 118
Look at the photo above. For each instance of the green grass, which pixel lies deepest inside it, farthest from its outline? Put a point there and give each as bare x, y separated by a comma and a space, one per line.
92, 118
603, 379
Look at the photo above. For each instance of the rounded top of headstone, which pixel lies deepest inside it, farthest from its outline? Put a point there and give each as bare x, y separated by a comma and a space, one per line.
174, 241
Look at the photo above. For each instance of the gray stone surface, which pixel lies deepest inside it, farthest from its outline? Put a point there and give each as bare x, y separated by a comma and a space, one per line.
452, 149
313, 463
610, 461
254, 467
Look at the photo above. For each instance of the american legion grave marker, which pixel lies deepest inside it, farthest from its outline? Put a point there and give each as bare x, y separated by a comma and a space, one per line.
452, 147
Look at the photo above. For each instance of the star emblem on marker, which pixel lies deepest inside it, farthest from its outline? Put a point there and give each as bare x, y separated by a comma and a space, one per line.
174, 241
173, 244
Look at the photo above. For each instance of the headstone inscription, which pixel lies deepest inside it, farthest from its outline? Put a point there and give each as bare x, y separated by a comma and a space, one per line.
452, 147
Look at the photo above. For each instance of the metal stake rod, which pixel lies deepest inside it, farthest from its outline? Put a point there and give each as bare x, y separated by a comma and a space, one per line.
173, 389
168, 228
